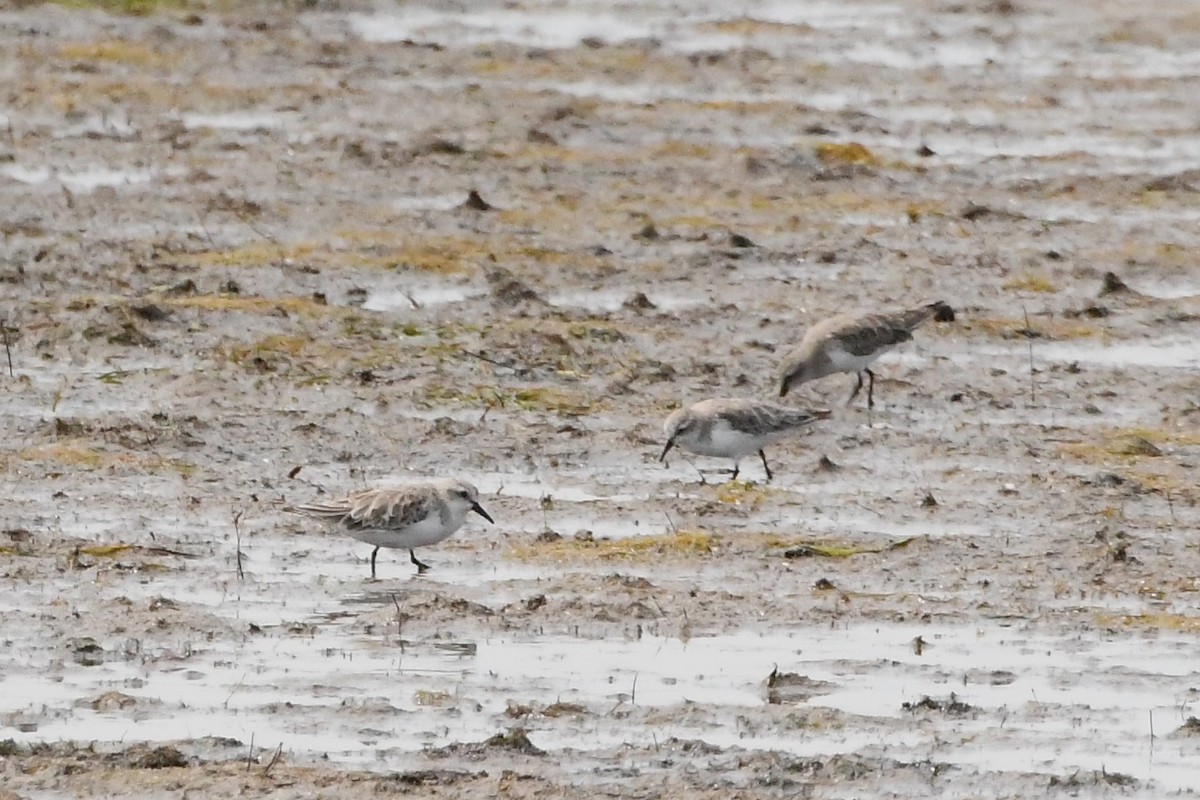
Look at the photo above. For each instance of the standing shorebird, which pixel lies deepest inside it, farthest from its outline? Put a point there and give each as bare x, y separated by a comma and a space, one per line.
851, 343
733, 428
402, 516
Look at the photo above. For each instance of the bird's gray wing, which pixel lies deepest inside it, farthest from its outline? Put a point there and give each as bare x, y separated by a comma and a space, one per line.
866, 335
764, 418
389, 508
373, 508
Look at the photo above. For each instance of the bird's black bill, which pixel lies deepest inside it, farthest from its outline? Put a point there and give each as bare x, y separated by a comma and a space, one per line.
478, 509
667, 449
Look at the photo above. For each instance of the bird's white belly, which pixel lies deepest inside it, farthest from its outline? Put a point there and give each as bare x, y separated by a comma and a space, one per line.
726, 442
428, 531
844, 361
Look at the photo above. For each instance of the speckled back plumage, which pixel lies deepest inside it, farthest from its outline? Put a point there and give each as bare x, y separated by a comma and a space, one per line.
390, 508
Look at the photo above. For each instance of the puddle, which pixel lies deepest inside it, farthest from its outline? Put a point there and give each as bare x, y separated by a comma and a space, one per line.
1041, 702
428, 202
240, 120
79, 181
508, 485
561, 28
680, 28
1159, 353
1170, 290
421, 295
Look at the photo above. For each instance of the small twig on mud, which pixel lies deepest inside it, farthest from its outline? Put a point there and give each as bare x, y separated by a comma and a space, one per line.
207, 235
1170, 505
408, 296
497, 400
1151, 727
7, 346
1029, 336
671, 522
274, 760
492, 361
237, 534
633, 692
245, 220
230, 697
250, 755
864, 508
399, 623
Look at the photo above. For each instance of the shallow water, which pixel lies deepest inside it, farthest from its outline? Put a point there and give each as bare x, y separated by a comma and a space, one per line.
1037, 701
83, 180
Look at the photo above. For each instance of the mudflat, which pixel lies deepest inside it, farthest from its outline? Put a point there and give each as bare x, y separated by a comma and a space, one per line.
263, 254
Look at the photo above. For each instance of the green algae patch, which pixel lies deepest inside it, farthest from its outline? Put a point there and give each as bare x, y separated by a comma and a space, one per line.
677, 544
801, 547
129, 8
105, 550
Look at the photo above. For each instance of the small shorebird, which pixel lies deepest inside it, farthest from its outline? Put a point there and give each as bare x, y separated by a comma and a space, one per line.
733, 428
401, 516
851, 343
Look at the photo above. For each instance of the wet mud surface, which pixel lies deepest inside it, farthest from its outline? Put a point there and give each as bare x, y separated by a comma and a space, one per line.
242, 266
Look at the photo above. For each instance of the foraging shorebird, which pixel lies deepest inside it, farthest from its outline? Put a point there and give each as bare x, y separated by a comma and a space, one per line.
851, 343
733, 428
401, 516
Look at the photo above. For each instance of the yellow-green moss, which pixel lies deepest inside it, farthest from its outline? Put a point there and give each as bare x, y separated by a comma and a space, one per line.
680, 544
135, 8
1009, 327
1129, 444
1163, 621
1030, 283
67, 452
117, 51
848, 153
301, 306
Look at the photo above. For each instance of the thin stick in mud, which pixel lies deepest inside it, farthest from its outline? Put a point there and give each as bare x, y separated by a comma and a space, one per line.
274, 760
237, 535
1029, 336
7, 346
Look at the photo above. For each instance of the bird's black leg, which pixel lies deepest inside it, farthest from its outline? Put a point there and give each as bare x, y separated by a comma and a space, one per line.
421, 566
762, 454
857, 389
870, 388
374, 553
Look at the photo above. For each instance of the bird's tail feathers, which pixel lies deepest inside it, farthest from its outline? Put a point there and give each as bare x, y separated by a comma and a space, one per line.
914, 317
